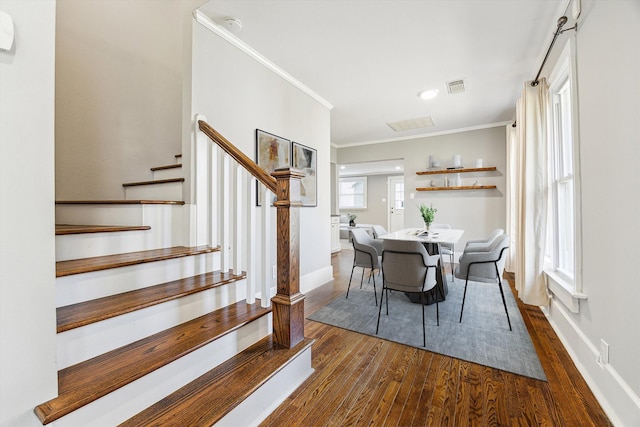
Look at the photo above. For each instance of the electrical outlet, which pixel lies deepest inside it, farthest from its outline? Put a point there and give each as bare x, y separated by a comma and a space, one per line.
275, 272
604, 352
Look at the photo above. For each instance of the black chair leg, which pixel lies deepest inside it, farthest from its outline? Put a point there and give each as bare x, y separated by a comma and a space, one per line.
464, 296
453, 277
424, 329
386, 300
375, 292
351, 277
504, 302
380, 309
362, 278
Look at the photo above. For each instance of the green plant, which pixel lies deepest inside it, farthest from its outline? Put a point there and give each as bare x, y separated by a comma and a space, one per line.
428, 213
352, 217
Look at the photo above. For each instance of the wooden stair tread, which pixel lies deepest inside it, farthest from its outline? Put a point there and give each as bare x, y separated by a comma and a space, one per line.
85, 313
81, 384
152, 182
119, 202
65, 229
173, 166
85, 265
210, 397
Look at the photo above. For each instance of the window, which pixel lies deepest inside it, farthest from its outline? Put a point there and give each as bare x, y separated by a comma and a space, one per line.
353, 192
561, 244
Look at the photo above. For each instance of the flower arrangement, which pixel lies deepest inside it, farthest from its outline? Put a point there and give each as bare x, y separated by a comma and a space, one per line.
428, 214
352, 219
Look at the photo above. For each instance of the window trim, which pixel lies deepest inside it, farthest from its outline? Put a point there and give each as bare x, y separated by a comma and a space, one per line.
362, 179
568, 291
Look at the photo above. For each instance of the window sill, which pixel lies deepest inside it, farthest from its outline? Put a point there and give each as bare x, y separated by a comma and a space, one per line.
564, 291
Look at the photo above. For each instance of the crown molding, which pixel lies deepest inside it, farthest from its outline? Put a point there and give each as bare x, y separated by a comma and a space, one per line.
209, 24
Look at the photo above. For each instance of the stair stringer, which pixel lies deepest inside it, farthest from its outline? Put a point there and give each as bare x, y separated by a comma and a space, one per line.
80, 344
121, 404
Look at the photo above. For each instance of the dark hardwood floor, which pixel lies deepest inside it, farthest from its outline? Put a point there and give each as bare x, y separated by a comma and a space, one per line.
363, 380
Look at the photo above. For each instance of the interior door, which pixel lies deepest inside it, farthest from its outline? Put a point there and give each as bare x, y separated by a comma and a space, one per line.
395, 204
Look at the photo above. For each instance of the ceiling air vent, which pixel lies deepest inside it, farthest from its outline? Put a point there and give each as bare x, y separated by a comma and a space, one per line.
456, 86
421, 122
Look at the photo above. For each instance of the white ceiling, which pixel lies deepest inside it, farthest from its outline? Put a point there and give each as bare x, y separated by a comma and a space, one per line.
369, 59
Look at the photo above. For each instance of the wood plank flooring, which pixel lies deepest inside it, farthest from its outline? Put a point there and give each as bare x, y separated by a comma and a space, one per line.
363, 380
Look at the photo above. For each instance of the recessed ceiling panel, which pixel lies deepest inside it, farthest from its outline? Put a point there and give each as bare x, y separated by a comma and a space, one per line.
410, 124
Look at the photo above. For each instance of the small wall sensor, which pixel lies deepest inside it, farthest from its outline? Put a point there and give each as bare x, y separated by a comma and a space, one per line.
232, 25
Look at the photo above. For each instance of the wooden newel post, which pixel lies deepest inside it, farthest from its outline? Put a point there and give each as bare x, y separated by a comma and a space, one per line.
288, 304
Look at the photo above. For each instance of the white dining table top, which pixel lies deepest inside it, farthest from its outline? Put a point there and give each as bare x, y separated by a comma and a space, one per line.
439, 235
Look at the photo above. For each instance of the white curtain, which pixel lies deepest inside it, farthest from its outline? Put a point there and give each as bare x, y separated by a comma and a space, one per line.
527, 173
511, 138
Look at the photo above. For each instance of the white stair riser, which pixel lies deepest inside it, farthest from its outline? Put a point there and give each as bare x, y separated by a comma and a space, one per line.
76, 246
127, 401
167, 173
255, 408
97, 284
165, 191
83, 343
163, 217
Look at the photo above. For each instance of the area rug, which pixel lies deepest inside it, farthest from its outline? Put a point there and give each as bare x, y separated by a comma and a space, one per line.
483, 337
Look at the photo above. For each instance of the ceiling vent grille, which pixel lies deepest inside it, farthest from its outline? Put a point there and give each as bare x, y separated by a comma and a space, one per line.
456, 86
421, 122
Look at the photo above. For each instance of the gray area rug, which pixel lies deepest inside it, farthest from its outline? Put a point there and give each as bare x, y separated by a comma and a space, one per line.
483, 337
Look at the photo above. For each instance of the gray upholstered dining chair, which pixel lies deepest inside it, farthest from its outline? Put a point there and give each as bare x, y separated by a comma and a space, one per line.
365, 255
484, 266
482, 245
447, 249
408, 267
378, 231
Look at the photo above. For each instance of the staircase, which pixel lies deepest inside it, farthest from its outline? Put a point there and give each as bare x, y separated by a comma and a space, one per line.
150, 331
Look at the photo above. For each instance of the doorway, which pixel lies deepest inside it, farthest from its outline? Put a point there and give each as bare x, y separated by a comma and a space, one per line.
395, 204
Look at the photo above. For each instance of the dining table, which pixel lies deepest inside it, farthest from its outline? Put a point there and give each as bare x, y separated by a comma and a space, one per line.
431, 240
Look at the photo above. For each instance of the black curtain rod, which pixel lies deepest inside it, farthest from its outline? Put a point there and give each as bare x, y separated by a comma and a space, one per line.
563, 20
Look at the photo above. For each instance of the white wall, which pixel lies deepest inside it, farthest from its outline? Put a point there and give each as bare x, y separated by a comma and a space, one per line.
477, 212
239, 95
118, 93
27, 248
608, 66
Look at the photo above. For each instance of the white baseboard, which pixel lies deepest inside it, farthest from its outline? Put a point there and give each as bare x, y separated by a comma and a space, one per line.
316, 278
617, 399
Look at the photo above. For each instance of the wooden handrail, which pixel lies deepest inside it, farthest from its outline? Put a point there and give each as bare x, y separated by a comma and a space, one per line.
251, 166
288, 303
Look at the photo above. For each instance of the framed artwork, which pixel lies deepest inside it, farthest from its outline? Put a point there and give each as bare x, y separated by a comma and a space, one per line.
272, 152
305, 159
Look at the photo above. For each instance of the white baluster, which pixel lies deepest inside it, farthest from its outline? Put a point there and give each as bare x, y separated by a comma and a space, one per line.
225, 262
267, 271
250, 236
233, 217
